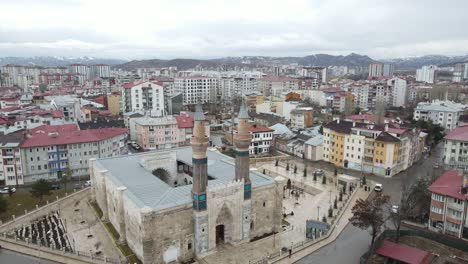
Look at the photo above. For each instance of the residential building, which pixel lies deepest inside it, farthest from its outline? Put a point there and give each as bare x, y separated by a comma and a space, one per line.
158, 133
449, 204
231, 87
302, 117
398, 88
143, 96
253, 99
456, 147
444, 113
426, 74
313, 148
49, 151
114, 103
378, 69
318, 73
11, 173
458, 74
381, 150
196, 89
261, 139
100, 70
274, 86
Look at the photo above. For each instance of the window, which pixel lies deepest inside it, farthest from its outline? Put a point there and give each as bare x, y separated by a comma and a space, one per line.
437, 197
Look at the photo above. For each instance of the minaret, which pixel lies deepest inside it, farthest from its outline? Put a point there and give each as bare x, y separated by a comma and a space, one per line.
242, 142
199, 143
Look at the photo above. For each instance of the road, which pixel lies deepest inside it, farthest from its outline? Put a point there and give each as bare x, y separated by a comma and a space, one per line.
353, 242
7, 256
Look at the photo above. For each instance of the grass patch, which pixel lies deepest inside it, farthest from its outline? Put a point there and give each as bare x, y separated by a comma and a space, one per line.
20, 201
110, 228
97, 209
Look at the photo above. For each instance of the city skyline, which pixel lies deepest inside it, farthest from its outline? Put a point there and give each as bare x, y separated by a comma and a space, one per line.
212, 29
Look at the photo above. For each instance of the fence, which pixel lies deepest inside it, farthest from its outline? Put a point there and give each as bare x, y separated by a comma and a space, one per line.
437, 237
52, 254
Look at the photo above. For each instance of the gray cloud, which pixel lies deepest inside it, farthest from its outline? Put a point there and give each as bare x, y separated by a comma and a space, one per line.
209, 28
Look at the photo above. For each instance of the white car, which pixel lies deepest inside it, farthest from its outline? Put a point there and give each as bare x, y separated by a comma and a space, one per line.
87, 183
378, 187
395, 208
7, 190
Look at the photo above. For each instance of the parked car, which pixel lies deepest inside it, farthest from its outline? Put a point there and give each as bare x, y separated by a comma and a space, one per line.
54, 186
7, 190
378, 187
87, 183
319, 172
395, 208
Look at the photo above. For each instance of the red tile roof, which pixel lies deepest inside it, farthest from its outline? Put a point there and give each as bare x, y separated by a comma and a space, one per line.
459, 133
404, 253
68, 134
184, 121
259, 129
57, 113
449, 184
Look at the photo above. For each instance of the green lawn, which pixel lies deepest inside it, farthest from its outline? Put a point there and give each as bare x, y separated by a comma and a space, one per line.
20, 201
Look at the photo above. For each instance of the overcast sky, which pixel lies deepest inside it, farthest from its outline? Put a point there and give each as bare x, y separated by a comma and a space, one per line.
137, 29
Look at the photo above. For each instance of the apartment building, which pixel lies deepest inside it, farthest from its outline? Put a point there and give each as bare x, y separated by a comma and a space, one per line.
381, 150
444, 113
426, 74
143, 96
231, 87
456, 147
196, 89
398, 88
449, 204
302, 117
158, 133
261, 139
11, 173
48, 151
275, 86
378, 69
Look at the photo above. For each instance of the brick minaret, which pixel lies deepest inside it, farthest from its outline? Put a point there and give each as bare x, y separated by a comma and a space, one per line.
199, 143
242, 142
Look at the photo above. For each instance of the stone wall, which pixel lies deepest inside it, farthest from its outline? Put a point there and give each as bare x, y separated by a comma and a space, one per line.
169, 232
265, 210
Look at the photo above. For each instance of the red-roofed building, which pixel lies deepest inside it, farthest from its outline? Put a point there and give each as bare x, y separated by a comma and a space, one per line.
403, 253
143, 96
456, 147
47, 151
449, 204
261, 139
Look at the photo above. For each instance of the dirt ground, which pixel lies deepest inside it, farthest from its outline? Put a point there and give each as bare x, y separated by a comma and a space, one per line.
447, 255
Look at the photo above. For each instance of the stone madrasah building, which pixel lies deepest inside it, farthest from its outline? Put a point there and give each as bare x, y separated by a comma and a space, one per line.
180, 204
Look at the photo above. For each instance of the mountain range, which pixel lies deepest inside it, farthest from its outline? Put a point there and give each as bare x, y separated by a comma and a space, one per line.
351, 60
50, 61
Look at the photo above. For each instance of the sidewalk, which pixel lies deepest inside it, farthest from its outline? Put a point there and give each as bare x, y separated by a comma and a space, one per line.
341, 224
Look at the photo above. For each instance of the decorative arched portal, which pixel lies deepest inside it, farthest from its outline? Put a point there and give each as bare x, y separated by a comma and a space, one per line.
224, 225
163, 175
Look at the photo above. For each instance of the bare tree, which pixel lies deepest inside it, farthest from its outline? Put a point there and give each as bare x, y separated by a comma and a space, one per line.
369, 214
380, 112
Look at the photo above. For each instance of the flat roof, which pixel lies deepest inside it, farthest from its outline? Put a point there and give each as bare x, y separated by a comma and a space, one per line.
147, 190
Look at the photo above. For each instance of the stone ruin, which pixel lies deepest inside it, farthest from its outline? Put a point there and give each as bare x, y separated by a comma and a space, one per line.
47, 231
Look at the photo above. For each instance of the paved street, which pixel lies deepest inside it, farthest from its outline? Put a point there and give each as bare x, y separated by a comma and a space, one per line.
7, 256
353, 242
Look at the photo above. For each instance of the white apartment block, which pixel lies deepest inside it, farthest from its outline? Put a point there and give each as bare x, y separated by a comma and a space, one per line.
378, 69
236, 86
10, 162
143, 96
261, 139
444, 113
81, 69
399, 90
275, 86
426, 74
456, 147
196, 89
100, 70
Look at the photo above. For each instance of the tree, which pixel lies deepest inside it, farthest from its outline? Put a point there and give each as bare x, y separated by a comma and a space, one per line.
335, 204
380, 112
287, 166
66, 176
357, 110
364, 180
42, 87
330, 212
295, 168
3, 205
340, 197
40, 188
305, 172
335, 172
321, 130
369, 214
288, 184
324, 219
315, 176
264, 171
276, 163
324, 179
